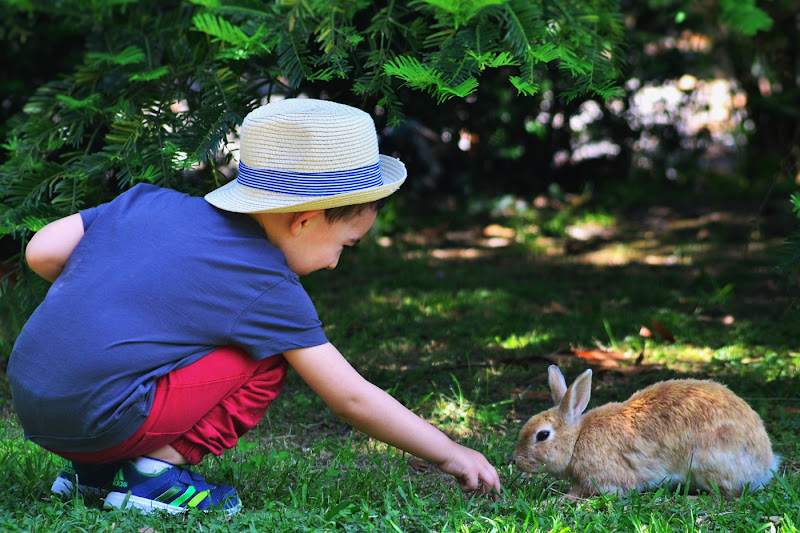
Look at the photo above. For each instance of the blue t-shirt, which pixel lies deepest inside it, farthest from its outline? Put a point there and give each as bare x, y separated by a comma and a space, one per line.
159, 280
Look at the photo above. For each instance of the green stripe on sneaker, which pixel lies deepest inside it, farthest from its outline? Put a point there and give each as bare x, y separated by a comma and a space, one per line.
194, 502
169, 494
190, 490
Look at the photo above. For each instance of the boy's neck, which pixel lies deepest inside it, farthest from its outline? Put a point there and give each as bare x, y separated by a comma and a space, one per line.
279, 227
271, 223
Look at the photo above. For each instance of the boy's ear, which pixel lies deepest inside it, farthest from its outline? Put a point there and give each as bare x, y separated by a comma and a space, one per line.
299, 219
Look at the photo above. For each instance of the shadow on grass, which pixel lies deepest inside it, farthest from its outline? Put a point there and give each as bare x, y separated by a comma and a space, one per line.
460, 324
452, 311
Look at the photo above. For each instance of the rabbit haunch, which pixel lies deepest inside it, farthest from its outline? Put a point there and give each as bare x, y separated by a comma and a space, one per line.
674, 431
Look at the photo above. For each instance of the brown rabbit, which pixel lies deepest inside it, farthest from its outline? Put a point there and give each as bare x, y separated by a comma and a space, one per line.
674, 431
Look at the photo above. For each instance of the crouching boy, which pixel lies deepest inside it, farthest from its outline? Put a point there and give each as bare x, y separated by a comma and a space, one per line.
172, 320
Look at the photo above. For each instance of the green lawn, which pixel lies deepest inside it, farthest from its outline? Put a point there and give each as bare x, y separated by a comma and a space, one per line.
460, 323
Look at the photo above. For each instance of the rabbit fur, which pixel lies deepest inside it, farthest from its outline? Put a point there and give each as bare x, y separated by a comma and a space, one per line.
675, 431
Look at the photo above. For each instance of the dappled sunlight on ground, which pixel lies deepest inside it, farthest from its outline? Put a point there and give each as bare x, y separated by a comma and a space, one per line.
660, 237
457, 319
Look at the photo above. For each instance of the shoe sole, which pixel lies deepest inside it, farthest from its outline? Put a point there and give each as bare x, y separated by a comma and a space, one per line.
65, 487
122, 500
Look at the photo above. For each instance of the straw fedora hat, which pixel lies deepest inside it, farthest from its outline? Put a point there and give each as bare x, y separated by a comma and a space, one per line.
300, 154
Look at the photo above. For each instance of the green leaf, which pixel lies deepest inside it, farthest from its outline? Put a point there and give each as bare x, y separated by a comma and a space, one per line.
744, 16
221, 29
422, 77
545, 52
211, 4
462, 11
524, 87
130, 55
34, 223
294, 58
150, 75
493, 60
74, 103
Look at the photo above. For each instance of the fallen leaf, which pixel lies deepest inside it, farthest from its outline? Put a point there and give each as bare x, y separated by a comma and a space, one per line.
556, 307
603, 361
599, 355
597, 358
663, 331
553, 307
421, 466
438, 343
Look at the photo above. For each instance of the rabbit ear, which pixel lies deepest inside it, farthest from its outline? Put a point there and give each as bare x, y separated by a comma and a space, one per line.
576, 398
558, 387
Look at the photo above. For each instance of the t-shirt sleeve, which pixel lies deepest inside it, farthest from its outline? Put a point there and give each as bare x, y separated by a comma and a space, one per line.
89, 215
282, 318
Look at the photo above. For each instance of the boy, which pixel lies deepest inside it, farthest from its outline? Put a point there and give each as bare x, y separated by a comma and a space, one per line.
172, 320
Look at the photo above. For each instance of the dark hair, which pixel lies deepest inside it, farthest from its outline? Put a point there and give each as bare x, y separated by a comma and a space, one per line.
347, 212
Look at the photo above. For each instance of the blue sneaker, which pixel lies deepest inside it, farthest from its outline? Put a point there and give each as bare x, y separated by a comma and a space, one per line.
174, 489
85, 478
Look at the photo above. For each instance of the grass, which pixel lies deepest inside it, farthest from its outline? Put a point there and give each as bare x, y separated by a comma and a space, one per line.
460, 322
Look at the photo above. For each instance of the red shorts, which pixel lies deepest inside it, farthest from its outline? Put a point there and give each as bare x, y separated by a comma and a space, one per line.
202, 408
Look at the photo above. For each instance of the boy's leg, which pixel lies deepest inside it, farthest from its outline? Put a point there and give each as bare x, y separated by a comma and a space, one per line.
202, 408
204, 426
215, 426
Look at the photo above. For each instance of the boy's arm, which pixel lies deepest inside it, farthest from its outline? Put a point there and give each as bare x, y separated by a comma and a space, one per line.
376, 413
48, 250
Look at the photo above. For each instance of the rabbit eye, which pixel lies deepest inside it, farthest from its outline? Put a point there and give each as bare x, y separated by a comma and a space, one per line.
542, 435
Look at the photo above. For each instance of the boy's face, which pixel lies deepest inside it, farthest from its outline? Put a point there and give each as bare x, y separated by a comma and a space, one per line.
319, 243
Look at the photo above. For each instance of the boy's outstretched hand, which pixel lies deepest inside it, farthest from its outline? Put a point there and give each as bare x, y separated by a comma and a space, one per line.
376, 413
472, 471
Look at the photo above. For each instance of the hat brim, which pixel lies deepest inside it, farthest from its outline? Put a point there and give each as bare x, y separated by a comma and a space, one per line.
238, 198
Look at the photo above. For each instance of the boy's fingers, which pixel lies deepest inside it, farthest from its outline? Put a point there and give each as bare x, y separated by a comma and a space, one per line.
491, 484
491, 479
483, 490
468, 483
482, 484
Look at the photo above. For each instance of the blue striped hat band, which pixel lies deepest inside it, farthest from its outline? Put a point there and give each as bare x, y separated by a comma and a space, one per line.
310, 183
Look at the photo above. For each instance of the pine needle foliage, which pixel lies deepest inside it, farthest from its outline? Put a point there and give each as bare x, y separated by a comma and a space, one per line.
160, 86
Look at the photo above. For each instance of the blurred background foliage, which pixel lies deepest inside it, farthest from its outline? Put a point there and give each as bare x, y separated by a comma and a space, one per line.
485, 101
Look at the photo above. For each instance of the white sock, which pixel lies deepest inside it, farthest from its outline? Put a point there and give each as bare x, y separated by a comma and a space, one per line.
148, 465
